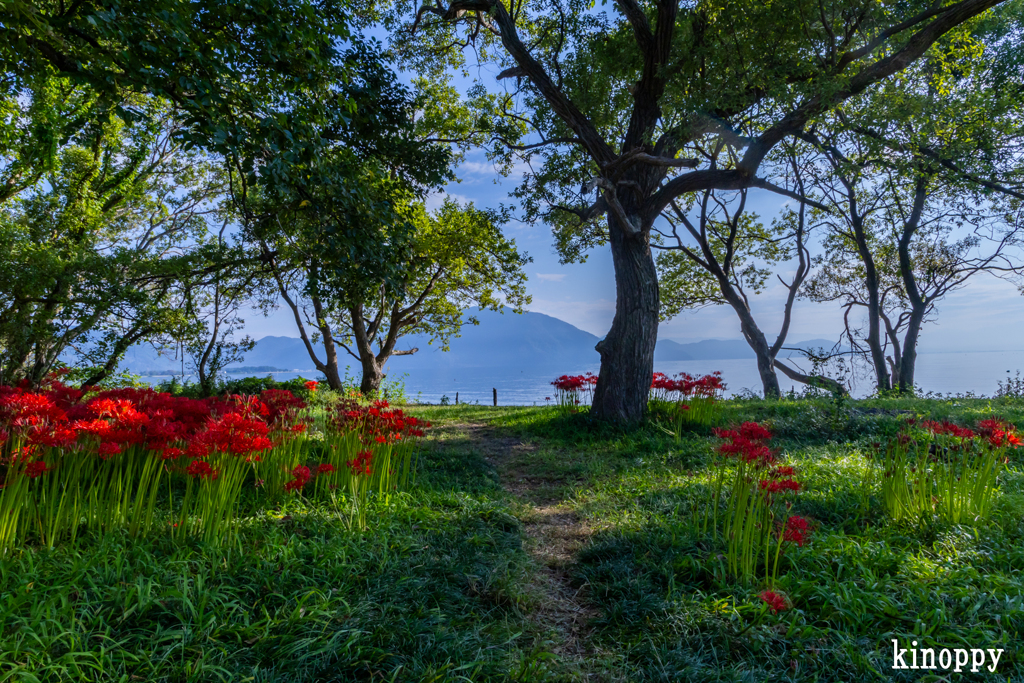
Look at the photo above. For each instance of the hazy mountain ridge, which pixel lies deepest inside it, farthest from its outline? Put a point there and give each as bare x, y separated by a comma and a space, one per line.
530, 340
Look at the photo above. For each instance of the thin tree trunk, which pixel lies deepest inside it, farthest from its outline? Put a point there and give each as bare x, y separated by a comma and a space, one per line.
330, 368
627, 352
874, 339
120, 347
909, 358
755, 339
918, 305
205, 382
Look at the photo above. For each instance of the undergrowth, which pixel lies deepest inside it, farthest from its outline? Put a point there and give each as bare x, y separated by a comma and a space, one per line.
437, 589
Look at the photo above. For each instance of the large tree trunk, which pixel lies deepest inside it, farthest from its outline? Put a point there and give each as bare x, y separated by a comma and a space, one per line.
627, 352
330, 370
765, 365
373, 375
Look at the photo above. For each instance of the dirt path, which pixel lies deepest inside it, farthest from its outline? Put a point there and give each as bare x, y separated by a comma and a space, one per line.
554, 534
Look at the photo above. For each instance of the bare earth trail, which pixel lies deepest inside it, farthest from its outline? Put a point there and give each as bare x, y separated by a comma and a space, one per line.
554, 535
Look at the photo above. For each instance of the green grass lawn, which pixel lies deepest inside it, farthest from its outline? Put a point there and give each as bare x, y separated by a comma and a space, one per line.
537, 546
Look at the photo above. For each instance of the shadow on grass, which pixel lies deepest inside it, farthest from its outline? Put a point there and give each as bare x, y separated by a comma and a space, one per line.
432, 590
668, 606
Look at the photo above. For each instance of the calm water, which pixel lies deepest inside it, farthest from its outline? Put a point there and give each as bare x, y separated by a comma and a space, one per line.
956, 373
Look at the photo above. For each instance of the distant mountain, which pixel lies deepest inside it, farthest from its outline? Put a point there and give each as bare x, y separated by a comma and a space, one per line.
531, 340
519, 341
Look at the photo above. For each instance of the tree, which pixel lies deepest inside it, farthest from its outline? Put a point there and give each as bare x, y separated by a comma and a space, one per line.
226, 67
896, 246
263, 84
923, 180
612, 105
224, 280
716, 253
458, 259
91, 257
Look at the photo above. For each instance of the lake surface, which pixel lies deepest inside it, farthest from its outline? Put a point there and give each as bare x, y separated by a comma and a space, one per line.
976, 372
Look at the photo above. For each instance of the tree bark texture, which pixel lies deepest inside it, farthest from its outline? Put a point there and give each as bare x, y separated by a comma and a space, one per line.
627, 352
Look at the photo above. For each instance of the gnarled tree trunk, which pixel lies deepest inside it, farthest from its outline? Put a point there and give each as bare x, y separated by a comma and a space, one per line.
627, 352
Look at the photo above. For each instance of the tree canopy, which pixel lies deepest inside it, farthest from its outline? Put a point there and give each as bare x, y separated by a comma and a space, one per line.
611, 104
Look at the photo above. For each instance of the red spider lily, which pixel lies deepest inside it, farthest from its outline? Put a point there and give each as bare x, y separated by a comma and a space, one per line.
171, 453
378, 424
796, 530
301, 476
947, 428
747, 443
779, 485
282, 407
236, 434
108, 450
776, 603
51, 436
687, 385
200, 469
36, 469
361, 465
572, 390
999, 433
153, 430
21, 408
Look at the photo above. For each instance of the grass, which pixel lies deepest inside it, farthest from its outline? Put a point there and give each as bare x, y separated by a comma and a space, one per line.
442, 586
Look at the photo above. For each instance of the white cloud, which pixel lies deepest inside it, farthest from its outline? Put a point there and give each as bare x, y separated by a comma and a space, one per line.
436, 199
477, 168
551, 277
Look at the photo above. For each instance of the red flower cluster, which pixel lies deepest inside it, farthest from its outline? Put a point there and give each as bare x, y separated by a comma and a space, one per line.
311, 386
947, 428
779, 485
776, 603
282, 409
200, 469
232, 433
301, 476
378, 423
748, 443
36, 469
687, 385
999, 433
575, 382
361, 465
572, 390
109, 422
796, 530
